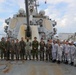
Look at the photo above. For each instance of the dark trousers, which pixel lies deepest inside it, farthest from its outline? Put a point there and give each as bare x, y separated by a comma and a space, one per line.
17, 55
3, 54
50, 56
22, 54
41, 55
12, 55
47, 55
35, 54
7, 55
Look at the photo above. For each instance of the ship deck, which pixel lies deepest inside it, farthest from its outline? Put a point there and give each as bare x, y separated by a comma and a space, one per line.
35, 68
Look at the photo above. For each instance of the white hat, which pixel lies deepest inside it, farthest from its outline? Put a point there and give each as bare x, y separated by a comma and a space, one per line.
70, 41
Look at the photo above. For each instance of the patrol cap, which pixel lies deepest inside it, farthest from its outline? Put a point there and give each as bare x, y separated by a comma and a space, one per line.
48, 40
17, 39
2, 38
12, 39
35, 37
41, 38
21, 37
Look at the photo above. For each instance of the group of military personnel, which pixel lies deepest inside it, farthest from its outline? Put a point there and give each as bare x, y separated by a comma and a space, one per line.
55, 51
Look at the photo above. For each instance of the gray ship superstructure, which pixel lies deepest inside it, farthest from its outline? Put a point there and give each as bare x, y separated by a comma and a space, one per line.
41, 26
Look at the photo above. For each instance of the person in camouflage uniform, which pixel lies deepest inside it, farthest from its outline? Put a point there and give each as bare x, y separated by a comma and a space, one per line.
28, 49
22, 49
35, 48
42, 45
2, 47
8, 48
12, 49
48, 50
17, 49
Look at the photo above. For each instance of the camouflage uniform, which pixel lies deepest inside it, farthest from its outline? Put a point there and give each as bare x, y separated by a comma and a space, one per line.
22, 49
48, 51
35, 49
42, 45
12, 50
8, 48
2, 47
17, 50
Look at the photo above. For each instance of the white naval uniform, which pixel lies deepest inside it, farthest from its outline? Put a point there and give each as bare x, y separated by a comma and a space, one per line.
63, 51
59, 52
75, 57
54, 51
72, 53
66, 53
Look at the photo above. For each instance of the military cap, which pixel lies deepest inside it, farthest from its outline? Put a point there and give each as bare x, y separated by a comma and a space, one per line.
35, 37
41, 38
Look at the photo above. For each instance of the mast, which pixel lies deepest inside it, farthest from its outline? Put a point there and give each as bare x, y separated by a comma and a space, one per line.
28, 31
27, 12
36, 5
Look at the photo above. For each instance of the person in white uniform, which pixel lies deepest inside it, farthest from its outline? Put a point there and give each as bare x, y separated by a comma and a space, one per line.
72, 53
63, 51
54, 51
59, 53
66, 53
75, 56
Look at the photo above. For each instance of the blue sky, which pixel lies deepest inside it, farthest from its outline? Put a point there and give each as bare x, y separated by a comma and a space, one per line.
63, 11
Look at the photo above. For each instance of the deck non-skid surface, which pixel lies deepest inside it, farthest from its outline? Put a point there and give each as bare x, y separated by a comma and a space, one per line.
35, 68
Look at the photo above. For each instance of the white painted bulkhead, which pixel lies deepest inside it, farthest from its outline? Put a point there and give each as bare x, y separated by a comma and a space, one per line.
34, 32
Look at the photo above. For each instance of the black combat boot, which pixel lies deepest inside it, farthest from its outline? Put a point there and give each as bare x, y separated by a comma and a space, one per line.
72, 63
